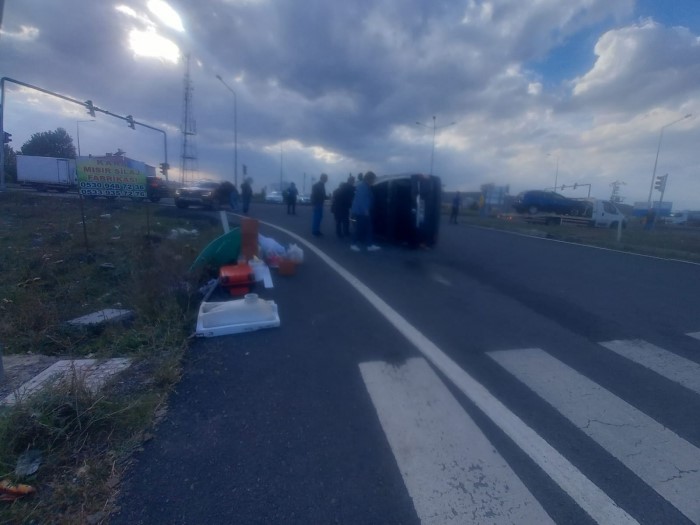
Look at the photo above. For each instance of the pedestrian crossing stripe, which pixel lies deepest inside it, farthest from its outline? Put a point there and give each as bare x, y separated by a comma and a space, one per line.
667, 364
662, 459
451, 471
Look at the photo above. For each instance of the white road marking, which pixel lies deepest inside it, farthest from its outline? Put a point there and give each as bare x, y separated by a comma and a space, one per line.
440, 279
674, 367
664, 460
451, 470
584, 492
695, 335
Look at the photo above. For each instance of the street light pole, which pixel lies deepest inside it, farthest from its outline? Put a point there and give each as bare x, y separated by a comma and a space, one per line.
658, 149
556, 171
434, 128
235, 130
77, 127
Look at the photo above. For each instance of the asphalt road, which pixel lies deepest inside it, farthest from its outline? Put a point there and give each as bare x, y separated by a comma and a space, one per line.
463, 384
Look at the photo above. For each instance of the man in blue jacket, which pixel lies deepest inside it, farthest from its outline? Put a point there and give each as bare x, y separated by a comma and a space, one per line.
361, 210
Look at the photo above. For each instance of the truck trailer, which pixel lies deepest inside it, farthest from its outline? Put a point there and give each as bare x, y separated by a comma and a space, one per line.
46, 173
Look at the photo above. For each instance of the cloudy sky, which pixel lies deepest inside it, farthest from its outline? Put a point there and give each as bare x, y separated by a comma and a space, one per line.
538, 90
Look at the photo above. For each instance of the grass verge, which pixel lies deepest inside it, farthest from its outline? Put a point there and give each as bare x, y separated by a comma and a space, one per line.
55, 267
665, 241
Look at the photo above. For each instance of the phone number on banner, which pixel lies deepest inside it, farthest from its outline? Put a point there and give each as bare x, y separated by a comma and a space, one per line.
112, 193
89, 185
108, 189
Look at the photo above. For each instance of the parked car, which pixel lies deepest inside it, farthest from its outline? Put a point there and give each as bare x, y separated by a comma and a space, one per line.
303, 199
677, 217
200, 193
539, 201
274, 196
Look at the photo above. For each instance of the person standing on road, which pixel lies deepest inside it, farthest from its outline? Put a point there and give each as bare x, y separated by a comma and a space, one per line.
456, 203
361, 211
234, 197
246, 195
318, 197
342, 200
291, 197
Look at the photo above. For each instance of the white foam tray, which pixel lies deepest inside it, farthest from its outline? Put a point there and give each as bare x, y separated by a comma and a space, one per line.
233, 317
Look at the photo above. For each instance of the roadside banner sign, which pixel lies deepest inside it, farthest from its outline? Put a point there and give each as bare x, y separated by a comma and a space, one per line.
114, 176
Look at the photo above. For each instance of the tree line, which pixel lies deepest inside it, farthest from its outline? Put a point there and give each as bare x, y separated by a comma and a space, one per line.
56, 143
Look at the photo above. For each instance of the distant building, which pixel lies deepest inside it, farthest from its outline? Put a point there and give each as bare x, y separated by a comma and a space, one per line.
663, 209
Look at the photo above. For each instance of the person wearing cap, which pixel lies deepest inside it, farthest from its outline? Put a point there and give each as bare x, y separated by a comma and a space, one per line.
361, 211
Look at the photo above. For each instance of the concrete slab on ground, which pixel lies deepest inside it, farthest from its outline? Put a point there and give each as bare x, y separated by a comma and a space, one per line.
95, 373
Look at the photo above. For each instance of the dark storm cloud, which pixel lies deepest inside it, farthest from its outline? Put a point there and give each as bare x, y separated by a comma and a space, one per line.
339, 86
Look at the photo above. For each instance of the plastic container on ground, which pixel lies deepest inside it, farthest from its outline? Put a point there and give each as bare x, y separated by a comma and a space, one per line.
233, 317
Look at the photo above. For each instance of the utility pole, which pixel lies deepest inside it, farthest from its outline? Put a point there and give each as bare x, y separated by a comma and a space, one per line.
188, 161
434, 127
235, 131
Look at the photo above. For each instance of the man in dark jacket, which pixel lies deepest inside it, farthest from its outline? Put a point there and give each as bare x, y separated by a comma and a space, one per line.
318, 197
342, 200
291, 197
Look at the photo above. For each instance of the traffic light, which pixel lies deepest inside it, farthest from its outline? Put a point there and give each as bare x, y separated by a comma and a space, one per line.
90, 108
130, 120
661, 182
164, 168
7, 137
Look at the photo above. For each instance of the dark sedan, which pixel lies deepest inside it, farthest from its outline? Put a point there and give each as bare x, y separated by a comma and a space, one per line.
537, 201
201, 193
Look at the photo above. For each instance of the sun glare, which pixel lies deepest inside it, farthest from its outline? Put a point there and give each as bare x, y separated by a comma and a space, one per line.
150, 44
166, 14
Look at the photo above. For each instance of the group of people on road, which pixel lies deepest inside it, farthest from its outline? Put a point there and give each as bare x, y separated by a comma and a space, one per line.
228, 192
349, 200
352, 201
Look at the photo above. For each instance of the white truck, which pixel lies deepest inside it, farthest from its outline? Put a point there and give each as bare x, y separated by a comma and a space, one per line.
46, 173
599, 213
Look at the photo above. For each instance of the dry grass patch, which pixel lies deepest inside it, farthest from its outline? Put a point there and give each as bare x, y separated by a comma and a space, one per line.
49, 275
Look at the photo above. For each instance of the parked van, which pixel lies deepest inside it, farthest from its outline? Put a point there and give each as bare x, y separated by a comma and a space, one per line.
592, 212
605, 214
